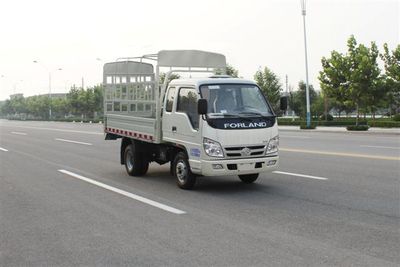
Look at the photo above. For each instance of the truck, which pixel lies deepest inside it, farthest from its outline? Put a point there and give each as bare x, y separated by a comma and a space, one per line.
208, 125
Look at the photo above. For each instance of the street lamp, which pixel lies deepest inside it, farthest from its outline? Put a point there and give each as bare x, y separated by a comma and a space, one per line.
47, 69
303, 12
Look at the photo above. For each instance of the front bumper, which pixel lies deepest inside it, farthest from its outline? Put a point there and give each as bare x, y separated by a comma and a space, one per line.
234, 166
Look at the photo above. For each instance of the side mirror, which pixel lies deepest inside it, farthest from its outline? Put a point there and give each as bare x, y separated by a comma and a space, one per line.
202, 106
284, 103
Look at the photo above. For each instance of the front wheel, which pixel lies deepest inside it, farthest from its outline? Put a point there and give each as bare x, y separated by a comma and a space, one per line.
248, 178
185, 179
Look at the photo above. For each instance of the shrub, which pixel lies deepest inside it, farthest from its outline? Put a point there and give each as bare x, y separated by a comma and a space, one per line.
385, 124
303, 126
336, 123
396, 117
379, 122
329, 117
357, 128
288, 121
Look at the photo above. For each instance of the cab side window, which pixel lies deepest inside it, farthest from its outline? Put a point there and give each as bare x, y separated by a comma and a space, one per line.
170, 99
187, 103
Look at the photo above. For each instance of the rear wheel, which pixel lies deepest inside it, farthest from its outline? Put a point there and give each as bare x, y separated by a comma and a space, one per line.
248, 178
185, 179
135, 164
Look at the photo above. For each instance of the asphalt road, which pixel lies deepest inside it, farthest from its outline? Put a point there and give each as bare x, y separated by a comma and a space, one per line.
336, 201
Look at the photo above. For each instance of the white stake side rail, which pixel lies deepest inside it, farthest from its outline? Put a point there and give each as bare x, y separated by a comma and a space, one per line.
132, 73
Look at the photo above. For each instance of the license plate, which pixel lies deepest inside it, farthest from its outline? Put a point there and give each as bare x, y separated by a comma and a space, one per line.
246, 166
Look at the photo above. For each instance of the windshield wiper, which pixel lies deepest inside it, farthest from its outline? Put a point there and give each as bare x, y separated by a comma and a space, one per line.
257, 113
229, 115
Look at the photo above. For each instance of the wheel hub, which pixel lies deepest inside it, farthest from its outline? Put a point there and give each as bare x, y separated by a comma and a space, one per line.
181, 171
129, 160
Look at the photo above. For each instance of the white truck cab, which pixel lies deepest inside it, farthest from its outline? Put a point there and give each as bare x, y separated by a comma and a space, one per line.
209, 126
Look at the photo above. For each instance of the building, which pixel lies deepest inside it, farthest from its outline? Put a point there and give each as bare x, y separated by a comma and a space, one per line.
56, 95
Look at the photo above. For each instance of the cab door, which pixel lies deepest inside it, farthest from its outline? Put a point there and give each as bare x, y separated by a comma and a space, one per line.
181, 122
168, 130
186, 118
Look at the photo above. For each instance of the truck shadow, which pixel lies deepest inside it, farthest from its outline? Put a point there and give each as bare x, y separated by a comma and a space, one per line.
210, 184
228, 185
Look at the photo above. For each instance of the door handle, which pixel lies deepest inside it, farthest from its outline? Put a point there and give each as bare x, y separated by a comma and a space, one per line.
174, 129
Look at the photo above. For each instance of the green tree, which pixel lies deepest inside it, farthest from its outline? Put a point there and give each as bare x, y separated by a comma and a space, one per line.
171, 77
6, 108
86, 103
98, 91
60, 107
270, 85
74, 100
89, 102
353, 79
391, 79
38, 106
230, 70
334, 80
298, 101
18, 105
318, 105
364, 73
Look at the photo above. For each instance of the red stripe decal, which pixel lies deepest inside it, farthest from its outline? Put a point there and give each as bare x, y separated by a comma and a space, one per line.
129, 133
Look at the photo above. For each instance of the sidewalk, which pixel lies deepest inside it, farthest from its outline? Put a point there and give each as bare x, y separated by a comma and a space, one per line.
329, 129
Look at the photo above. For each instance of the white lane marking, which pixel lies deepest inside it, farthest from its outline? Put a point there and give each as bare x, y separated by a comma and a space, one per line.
388, 147
294, 136
329, 153
71, 141
124, 193
60, 130
3, 149
301, 175
19, 133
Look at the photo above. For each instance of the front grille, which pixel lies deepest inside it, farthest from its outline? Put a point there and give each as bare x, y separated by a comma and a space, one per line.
239, 151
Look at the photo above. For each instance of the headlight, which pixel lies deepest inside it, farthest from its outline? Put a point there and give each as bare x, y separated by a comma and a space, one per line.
273, 145
212, 148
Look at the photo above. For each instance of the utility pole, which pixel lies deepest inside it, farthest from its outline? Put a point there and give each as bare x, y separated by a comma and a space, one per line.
303, 12
326, 107
287, 93
291, 100
49, 71
50, 95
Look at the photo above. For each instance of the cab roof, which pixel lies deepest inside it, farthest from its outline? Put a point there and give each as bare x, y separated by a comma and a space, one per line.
217, 80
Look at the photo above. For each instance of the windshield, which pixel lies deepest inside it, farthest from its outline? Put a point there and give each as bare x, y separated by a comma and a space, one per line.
235, 100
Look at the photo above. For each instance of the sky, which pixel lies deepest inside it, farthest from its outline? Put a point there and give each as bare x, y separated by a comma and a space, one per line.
80, 36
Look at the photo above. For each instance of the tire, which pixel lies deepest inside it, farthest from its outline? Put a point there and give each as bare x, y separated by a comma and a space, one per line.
135, 164
185, 179
248, 178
